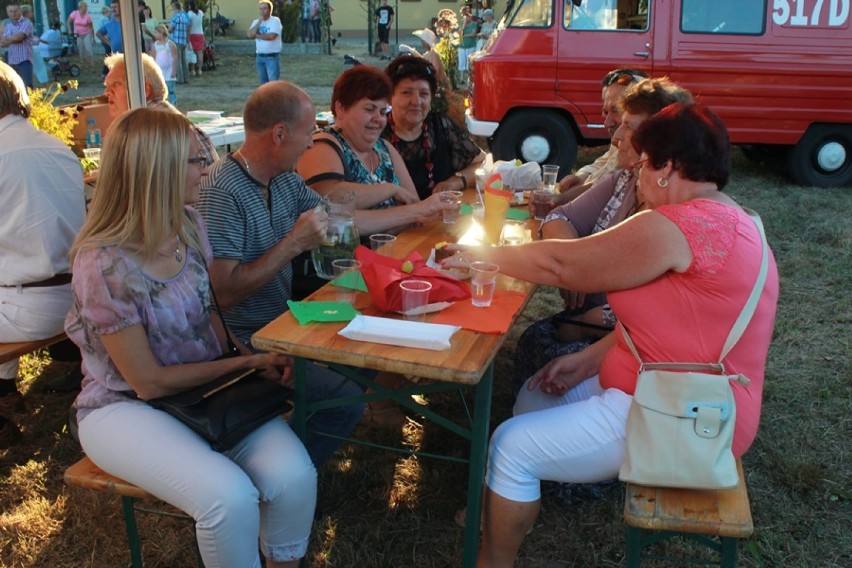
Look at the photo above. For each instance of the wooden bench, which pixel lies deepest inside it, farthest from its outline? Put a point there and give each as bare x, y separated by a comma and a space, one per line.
87, 475
715, 519
9, 351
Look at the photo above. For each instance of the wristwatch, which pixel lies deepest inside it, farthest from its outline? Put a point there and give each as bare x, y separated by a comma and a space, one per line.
464, 179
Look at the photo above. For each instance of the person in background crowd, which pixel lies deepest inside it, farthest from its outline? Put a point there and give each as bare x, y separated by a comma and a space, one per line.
164, 52
196, 36
467, 43
266, 31
485, 29
110, 31
80, 23
251, 269
17, 38
428, 39
44, 208
143, 317
179, 34
146, 34
384, 20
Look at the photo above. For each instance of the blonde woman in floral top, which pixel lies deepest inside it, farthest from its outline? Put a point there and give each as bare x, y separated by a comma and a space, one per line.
142, 318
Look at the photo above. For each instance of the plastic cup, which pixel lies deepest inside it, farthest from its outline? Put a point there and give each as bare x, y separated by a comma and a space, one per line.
342, 267
455, 197
382, 243
514, 233
93, 154
540, 203
549, 173
483, 281
415, 298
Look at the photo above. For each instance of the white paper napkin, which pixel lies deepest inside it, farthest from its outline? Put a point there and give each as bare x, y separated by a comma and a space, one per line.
403, 333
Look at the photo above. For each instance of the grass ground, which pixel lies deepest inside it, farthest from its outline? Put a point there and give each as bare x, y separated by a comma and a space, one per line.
378, 510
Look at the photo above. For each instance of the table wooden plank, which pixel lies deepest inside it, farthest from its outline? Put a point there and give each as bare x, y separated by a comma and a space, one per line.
467, 359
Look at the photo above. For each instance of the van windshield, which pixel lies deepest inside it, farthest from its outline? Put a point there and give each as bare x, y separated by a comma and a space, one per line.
530, 14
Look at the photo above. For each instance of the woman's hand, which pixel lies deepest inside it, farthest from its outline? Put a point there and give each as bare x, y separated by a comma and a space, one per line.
573, 299
274, 367
402, 195
464, 255
564, 373
431, 208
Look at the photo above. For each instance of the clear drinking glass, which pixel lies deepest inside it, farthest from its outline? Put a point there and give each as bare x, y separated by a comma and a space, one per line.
549, 173
341, 240
415, 298
483, 282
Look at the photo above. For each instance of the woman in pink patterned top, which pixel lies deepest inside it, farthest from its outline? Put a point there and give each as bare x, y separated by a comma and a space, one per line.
80, 23
677, 276
143, 320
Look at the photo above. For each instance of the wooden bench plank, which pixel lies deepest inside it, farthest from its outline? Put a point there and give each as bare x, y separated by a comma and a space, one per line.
86, 474
9, 351
723, 513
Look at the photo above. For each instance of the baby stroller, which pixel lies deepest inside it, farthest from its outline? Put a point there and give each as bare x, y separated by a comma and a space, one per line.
209, 56
59, 64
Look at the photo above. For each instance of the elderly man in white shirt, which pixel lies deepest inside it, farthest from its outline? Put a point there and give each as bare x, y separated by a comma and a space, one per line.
43, 209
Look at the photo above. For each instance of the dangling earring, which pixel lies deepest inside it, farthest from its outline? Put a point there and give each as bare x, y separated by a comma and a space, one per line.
663, 182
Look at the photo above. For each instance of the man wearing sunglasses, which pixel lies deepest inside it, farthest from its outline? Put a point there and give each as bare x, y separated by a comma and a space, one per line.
613, 86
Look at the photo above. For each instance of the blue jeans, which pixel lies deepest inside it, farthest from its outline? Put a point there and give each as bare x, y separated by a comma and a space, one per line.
268, 68
322, 383
25, 70
170, 85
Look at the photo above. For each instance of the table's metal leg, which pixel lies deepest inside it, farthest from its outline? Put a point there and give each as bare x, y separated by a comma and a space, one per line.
476, 473
300, 397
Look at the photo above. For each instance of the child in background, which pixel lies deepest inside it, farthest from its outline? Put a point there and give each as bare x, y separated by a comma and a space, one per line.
164, 52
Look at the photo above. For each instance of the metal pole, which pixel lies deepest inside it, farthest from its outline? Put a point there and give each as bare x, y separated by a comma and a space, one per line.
131, 37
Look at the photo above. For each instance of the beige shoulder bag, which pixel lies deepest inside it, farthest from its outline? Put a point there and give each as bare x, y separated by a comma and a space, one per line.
680, 427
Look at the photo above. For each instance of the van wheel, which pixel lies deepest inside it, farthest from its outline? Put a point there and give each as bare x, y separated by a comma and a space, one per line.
536, 136
823, 157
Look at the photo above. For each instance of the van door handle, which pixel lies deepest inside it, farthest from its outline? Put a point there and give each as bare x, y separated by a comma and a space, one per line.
645, 53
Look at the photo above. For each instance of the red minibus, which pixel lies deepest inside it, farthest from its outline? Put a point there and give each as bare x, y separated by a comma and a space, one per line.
778, 72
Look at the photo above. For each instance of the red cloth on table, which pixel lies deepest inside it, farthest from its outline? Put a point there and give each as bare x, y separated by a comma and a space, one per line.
496, 318
383, 274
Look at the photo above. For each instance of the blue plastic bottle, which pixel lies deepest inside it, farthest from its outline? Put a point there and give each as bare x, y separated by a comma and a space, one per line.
93, 135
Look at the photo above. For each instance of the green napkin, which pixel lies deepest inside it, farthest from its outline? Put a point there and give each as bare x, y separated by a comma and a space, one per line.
518, 214
465, 209
306, 312
352, 280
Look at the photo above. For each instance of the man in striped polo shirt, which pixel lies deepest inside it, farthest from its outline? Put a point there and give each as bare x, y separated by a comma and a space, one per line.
260, 215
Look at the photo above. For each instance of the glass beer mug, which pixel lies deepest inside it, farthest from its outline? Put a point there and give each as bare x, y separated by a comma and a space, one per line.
341, 235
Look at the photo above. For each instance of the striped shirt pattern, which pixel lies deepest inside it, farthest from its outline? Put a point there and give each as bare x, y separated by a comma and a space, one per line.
242, 226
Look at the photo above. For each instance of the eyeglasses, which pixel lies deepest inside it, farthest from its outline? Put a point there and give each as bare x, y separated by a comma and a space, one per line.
638, 164
200, 160
412, 68
619, 77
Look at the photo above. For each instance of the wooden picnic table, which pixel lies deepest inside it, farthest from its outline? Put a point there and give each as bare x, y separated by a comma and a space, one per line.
467, 364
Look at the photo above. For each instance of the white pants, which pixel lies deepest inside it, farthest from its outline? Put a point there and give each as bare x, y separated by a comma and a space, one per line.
27, 314
578, 437
263, 488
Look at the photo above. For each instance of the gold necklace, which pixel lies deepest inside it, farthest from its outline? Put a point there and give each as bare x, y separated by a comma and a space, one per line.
245, 162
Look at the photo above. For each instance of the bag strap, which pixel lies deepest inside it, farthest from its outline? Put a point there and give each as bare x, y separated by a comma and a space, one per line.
739, 325
232, 347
